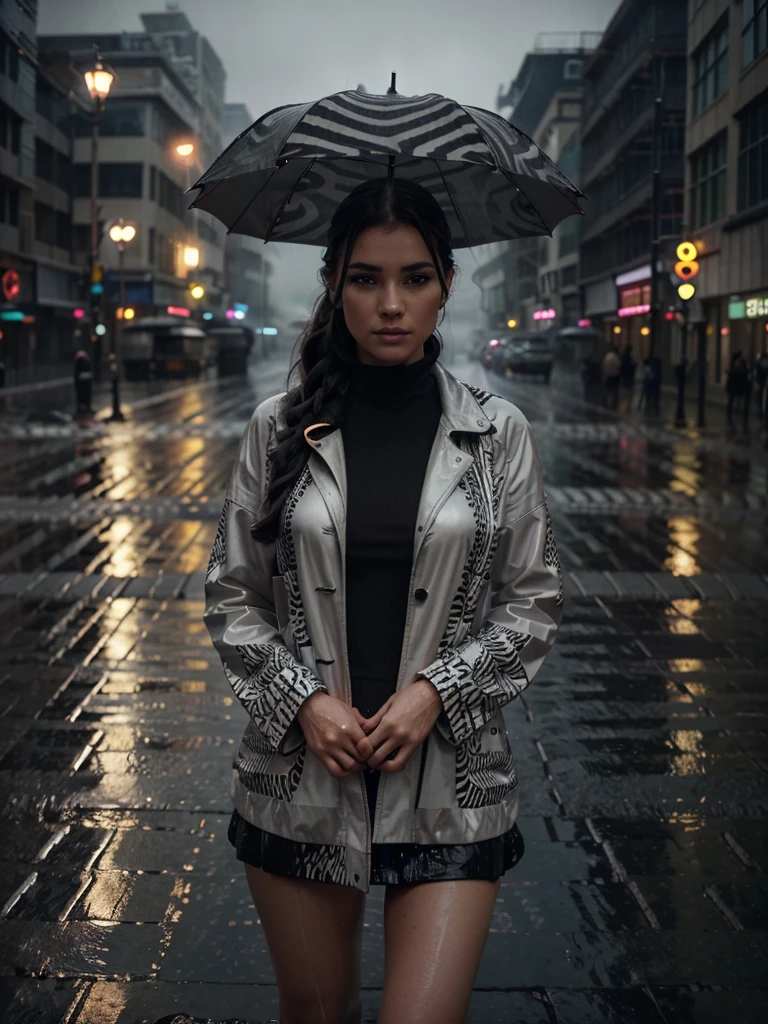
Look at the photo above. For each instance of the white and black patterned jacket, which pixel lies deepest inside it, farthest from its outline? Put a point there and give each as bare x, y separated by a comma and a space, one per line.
485, 557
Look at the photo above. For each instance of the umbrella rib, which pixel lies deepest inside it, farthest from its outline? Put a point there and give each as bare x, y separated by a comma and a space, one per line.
453, 204
287, 200
509, 178
247, 206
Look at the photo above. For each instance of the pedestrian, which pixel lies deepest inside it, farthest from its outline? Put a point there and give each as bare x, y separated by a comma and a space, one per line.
737, 384
375, 669
627, 372
761, 385
611, 370
83, 382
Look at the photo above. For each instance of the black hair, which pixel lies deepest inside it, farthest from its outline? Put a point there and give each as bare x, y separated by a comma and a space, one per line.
327, 350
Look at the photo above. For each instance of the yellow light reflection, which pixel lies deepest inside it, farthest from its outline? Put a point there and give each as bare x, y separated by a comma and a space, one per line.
680, 626
692, 759
684, 535
686, 665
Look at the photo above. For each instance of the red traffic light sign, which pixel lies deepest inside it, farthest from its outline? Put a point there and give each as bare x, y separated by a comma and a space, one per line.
11, 283
687, 266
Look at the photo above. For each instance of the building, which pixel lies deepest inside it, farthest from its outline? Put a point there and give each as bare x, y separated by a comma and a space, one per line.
18, 52
199, 67
642, 55
726, 198
60, 281
148, 114
247, 268
520, 279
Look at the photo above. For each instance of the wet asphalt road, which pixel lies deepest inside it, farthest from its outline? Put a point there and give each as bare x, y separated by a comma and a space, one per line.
641, 745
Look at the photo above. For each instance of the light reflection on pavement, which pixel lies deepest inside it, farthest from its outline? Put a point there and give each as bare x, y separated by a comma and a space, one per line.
641, 744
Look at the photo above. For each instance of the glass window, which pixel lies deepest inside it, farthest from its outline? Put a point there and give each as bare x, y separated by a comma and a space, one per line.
119, 118
44, 160
753, 154
115, 180
754, 30
708, 177
710, 67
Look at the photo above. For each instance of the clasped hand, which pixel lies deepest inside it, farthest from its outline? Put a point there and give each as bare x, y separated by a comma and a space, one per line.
346, 742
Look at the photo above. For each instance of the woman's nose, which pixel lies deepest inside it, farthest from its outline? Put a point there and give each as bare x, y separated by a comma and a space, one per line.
390, 301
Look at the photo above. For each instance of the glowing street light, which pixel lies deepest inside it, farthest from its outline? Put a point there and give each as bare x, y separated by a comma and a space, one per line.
185, 148
122, 233
191, 256
99, 81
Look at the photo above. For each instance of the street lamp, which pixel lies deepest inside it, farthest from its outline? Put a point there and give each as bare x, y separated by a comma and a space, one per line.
185, 148
98, 80
191, 257
120, 233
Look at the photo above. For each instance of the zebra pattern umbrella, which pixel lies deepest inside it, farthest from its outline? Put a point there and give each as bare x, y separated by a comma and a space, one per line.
283, 178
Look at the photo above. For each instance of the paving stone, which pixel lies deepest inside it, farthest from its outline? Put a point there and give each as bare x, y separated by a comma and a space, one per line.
595, 584
633, 585
710, 587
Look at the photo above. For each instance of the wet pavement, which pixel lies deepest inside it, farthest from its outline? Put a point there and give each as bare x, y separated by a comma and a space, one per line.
641, 745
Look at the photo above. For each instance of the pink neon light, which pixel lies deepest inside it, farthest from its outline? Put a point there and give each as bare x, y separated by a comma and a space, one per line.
586, 322
544, 314
634, 310
78, 314
179, 311
230, 314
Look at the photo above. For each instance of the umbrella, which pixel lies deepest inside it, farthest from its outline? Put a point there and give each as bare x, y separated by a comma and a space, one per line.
283, 178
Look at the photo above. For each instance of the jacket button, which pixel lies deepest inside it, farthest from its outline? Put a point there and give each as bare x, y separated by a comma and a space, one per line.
421, 594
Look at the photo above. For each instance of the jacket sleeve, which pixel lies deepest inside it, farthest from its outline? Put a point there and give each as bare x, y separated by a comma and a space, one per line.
525, 601
239, 603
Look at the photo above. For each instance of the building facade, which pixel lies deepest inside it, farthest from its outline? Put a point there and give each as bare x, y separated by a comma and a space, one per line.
247, 268
642, 56
726, 196
519, 280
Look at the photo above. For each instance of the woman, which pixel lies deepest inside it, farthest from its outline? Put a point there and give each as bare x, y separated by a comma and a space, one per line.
384, 579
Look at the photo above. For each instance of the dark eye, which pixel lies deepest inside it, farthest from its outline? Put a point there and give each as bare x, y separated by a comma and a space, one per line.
359, 279
420, 278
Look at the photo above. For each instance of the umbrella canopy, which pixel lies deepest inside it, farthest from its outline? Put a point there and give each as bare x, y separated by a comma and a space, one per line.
283, 178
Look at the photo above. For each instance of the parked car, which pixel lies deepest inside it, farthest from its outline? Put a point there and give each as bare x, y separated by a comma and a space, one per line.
493, 354
531, 355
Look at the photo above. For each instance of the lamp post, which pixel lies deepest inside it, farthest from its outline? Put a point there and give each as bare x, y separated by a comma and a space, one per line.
120, 233
98, 81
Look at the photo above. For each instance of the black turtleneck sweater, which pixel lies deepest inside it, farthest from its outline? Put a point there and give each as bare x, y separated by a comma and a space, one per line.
391, 419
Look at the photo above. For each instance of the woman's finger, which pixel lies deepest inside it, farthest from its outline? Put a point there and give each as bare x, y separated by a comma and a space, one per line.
381, 754
399, 761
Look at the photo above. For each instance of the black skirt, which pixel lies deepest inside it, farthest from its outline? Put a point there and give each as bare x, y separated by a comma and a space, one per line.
391, 863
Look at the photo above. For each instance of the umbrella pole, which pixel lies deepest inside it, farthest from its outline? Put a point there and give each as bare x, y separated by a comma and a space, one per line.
392, 90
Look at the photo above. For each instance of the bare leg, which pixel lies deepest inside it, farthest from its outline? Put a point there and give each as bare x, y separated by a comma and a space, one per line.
314, 935
434, 934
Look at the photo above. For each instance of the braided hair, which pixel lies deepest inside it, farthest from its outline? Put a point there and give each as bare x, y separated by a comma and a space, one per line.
327, 350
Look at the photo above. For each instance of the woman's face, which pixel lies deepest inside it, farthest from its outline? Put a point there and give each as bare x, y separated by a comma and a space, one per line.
391, 286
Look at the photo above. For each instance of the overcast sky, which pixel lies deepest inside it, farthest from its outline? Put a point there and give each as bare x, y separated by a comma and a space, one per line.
291, 51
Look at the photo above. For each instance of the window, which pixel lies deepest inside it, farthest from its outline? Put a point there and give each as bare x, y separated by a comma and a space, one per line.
152, 246
115, 180
119, 118
572, 69
708, 172
753, 154
45, 224
63, 230
170, 196
152, 182
44, 160
13, 206
9, 57
754, 29
10, 129
710, 68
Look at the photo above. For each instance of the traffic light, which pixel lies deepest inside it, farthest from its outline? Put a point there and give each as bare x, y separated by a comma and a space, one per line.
686, 269
97, 279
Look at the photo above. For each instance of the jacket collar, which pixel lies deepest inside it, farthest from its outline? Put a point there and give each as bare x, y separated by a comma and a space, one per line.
462, 413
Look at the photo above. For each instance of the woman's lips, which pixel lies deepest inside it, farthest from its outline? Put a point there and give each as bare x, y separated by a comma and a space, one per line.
391, 335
